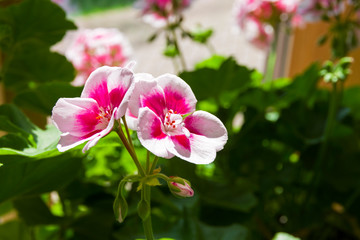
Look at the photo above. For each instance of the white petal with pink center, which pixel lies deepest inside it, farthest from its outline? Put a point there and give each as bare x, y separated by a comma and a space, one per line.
104, 99
164, 126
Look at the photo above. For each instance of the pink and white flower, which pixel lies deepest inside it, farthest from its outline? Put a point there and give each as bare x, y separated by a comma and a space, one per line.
93, 48
259, 18
162, 110
159, 13
91, 116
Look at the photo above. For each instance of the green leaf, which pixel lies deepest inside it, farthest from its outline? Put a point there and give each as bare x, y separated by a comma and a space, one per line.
32, 63
34, 211
284, 236
234, 231
36, 19
211, 83
14, 230
201, 35
34, 177
24, 139
351, 100
213, 62
44, 97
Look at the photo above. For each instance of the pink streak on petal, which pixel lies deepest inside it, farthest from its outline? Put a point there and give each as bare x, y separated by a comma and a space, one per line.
87, 120
116, 96
153, 140
178, 94
182, 145
94, 140
66, 112
206, 124
96, 86
100, 94
155, 101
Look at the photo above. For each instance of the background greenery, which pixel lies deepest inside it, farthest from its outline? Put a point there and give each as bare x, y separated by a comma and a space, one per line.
279, 172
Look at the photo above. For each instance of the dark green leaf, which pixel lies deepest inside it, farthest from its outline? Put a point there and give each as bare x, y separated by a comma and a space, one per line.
39, 20
32, 63
34, 211
44, 97
34, 177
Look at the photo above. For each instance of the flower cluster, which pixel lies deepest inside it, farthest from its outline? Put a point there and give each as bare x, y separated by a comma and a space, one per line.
260, 18
161, 110
93, 48
159, 13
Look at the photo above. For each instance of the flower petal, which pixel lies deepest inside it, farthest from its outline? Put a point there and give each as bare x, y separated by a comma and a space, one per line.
68, 141
77, 116
178, 94
205, 124
151, 135
96, 87
147, 93
207, 136
94, 140
110, 87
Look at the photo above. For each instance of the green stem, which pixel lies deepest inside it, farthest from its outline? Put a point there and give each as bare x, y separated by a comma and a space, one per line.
128, 134
176, 42
271, 61
330, 120
131, 151
156, 158
148, 162
147, 222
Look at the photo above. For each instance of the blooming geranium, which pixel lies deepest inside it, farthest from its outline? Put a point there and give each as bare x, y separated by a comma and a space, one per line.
160, 12
259, 18
90, 117
93, 48
162, 110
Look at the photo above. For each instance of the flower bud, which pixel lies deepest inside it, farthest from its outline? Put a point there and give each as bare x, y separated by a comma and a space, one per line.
180, 187
120, 209
143, 209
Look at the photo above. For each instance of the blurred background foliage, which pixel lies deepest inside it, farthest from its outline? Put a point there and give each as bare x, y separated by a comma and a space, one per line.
267, 182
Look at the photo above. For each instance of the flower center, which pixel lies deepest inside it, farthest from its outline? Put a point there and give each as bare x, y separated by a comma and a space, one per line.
173, 123
104, 117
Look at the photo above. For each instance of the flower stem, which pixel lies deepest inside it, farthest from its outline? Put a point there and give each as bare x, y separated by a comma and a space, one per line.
176, 43
147, 222
271, 59
131, 151
156, 158
128, 133
330, 120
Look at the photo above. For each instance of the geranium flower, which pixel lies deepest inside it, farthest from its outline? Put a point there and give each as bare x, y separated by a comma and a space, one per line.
168, 125
159, 13
259, 19
93, 48
90, 117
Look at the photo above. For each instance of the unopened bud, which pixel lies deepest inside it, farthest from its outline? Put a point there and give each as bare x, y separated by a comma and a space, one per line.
120, 209
143, 209
180, 187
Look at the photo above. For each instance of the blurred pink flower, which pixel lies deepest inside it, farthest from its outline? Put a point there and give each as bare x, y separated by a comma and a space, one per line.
90, 117
260, 35
93, 48
159, 13
162, 110
258, 18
